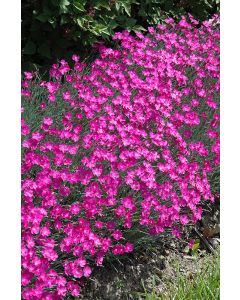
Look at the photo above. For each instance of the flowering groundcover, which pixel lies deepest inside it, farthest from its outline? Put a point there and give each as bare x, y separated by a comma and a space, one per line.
126, 145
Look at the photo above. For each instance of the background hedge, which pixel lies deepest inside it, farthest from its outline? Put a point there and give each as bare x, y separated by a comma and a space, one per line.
53, 29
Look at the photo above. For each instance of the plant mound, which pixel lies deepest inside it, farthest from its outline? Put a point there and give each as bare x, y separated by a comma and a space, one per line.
123, 149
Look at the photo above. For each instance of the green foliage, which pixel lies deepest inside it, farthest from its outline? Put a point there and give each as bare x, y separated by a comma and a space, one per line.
52, 29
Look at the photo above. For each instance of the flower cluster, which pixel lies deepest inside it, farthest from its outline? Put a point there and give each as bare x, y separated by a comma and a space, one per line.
129, 143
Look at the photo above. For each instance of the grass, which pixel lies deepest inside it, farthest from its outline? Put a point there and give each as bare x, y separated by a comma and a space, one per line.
204, 285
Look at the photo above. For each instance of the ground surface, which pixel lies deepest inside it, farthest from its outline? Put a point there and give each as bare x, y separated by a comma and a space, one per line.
159, 267
155, 271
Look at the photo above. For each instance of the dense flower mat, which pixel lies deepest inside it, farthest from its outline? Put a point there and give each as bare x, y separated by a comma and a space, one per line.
126, 145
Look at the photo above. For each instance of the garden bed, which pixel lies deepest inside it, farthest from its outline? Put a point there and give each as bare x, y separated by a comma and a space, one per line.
158, 273
165, 268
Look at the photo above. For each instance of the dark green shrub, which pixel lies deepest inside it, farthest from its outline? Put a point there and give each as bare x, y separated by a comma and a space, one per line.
56, 28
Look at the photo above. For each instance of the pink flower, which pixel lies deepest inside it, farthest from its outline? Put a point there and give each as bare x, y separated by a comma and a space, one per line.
28, 75
188, 134
75, 58
194, 102
51, 98
128, 247
183, 219
26, 277
128, 202
87, 271
49, 254
66, 95
45, 231
99, 224
117, 235
43, 106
